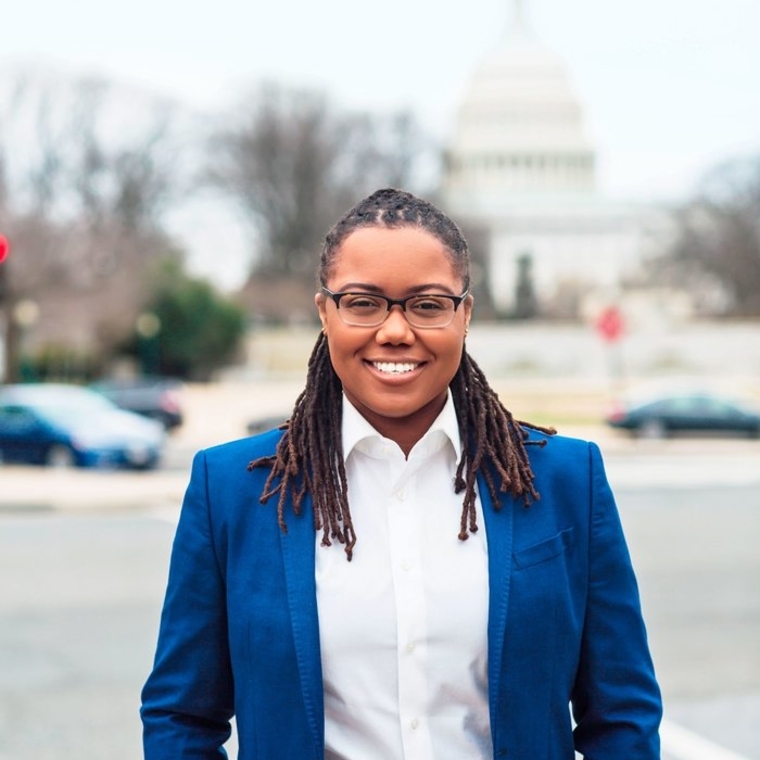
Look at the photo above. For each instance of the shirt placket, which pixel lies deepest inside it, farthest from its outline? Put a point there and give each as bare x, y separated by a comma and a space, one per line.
411, 613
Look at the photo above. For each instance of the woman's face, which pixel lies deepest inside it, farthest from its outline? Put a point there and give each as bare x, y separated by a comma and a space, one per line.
397, 376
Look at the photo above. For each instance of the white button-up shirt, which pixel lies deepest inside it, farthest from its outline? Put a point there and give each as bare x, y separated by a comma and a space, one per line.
403, 626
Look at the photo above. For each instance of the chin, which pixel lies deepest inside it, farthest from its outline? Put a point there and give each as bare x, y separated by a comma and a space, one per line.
406, 407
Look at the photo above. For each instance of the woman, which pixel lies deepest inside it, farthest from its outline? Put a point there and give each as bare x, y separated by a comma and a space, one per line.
440, 582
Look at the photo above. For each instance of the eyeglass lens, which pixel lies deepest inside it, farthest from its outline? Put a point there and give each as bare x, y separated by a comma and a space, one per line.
421, 311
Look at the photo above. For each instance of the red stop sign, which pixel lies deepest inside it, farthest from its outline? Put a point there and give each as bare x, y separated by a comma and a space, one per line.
610, 324
5, 248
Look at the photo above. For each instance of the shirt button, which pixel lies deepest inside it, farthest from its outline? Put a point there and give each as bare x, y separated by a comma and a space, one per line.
414, 723
410, 647
406, 567
400, 494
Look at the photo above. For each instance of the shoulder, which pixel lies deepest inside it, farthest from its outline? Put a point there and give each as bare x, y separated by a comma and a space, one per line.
252, 447
226, 464
574, 462
557, 446
222, 481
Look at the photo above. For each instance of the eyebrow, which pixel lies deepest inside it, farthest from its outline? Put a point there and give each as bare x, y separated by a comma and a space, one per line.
364, 287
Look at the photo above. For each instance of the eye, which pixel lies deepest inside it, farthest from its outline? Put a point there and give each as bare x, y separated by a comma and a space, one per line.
361, 302
429, 305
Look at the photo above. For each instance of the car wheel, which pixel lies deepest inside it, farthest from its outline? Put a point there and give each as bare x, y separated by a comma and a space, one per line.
652, 429
59, 456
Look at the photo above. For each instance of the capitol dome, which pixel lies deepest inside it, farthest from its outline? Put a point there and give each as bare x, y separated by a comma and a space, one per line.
520, 125
520, 176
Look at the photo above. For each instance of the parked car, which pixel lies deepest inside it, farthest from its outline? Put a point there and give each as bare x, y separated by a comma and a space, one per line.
67, 426
154, 397
689, 413
262, 424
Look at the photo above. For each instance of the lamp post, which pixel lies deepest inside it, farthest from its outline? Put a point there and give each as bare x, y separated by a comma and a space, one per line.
148, 326
25, 315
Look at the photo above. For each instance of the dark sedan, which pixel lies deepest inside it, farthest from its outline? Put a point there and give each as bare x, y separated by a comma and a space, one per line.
262, 424
68, 426
154, 397
688, 414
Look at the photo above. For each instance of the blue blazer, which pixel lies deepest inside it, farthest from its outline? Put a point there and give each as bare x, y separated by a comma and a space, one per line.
239, 633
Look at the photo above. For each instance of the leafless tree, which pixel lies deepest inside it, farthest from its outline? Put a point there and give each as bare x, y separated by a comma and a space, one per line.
719, 235
293, 163
82, 150
85, 174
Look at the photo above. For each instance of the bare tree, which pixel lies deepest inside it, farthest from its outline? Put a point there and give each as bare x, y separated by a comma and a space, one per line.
293, 163
75, 158
81, 198
719, 235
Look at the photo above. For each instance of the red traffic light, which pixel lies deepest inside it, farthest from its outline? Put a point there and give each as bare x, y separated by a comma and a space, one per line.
5, 248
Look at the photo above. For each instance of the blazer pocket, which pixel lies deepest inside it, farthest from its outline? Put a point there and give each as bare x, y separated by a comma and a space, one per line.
545, 550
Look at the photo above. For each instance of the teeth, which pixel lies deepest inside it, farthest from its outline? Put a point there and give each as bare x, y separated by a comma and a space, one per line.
393, 368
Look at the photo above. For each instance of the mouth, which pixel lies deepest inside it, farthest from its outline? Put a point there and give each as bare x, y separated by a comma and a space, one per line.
395, 368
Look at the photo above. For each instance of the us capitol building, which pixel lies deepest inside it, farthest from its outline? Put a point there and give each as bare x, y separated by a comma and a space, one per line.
520, 170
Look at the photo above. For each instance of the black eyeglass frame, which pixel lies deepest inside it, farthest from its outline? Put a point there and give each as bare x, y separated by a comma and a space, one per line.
391, 302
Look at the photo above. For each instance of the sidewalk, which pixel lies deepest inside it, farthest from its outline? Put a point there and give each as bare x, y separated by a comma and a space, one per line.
36, 489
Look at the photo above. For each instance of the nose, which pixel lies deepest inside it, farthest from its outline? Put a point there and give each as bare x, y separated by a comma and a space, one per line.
395, 329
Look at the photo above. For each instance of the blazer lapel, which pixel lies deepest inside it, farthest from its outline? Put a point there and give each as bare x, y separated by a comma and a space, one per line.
499, 531
298, 547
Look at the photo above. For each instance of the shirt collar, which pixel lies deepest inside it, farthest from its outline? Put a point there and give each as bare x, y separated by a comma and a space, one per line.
359, 434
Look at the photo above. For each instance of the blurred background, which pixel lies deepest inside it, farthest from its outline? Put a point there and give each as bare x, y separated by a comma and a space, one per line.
167, 176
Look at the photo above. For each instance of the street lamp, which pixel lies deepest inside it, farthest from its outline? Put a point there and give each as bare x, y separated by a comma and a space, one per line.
147, 327
25, 314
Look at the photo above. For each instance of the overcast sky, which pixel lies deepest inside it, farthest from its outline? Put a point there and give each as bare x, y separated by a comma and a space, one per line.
670, 87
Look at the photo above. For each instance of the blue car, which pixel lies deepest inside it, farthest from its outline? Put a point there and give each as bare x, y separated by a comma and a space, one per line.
68, 426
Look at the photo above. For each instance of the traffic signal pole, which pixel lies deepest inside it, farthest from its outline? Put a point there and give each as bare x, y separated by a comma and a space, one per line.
6, 326
5, 249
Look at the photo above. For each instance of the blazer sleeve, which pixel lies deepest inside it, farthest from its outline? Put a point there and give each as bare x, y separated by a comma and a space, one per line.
616, 699
187, 701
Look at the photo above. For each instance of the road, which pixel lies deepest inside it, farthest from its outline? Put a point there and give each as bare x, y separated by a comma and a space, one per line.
83, 560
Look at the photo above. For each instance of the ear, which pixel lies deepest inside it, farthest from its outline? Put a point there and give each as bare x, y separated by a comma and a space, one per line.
321, 301
467, 306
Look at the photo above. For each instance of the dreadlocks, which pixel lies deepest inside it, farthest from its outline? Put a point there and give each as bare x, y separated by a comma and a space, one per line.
309, 456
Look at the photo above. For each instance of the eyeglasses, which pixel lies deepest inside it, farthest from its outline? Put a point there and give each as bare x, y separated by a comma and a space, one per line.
371, 310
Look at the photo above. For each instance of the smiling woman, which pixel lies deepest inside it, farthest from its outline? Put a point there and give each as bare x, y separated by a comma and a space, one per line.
432, 642
397, 375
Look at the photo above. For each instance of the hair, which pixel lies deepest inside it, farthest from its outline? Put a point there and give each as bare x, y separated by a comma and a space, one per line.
309, 455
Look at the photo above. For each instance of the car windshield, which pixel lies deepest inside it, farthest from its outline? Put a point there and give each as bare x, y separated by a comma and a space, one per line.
69, 414
65, 405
